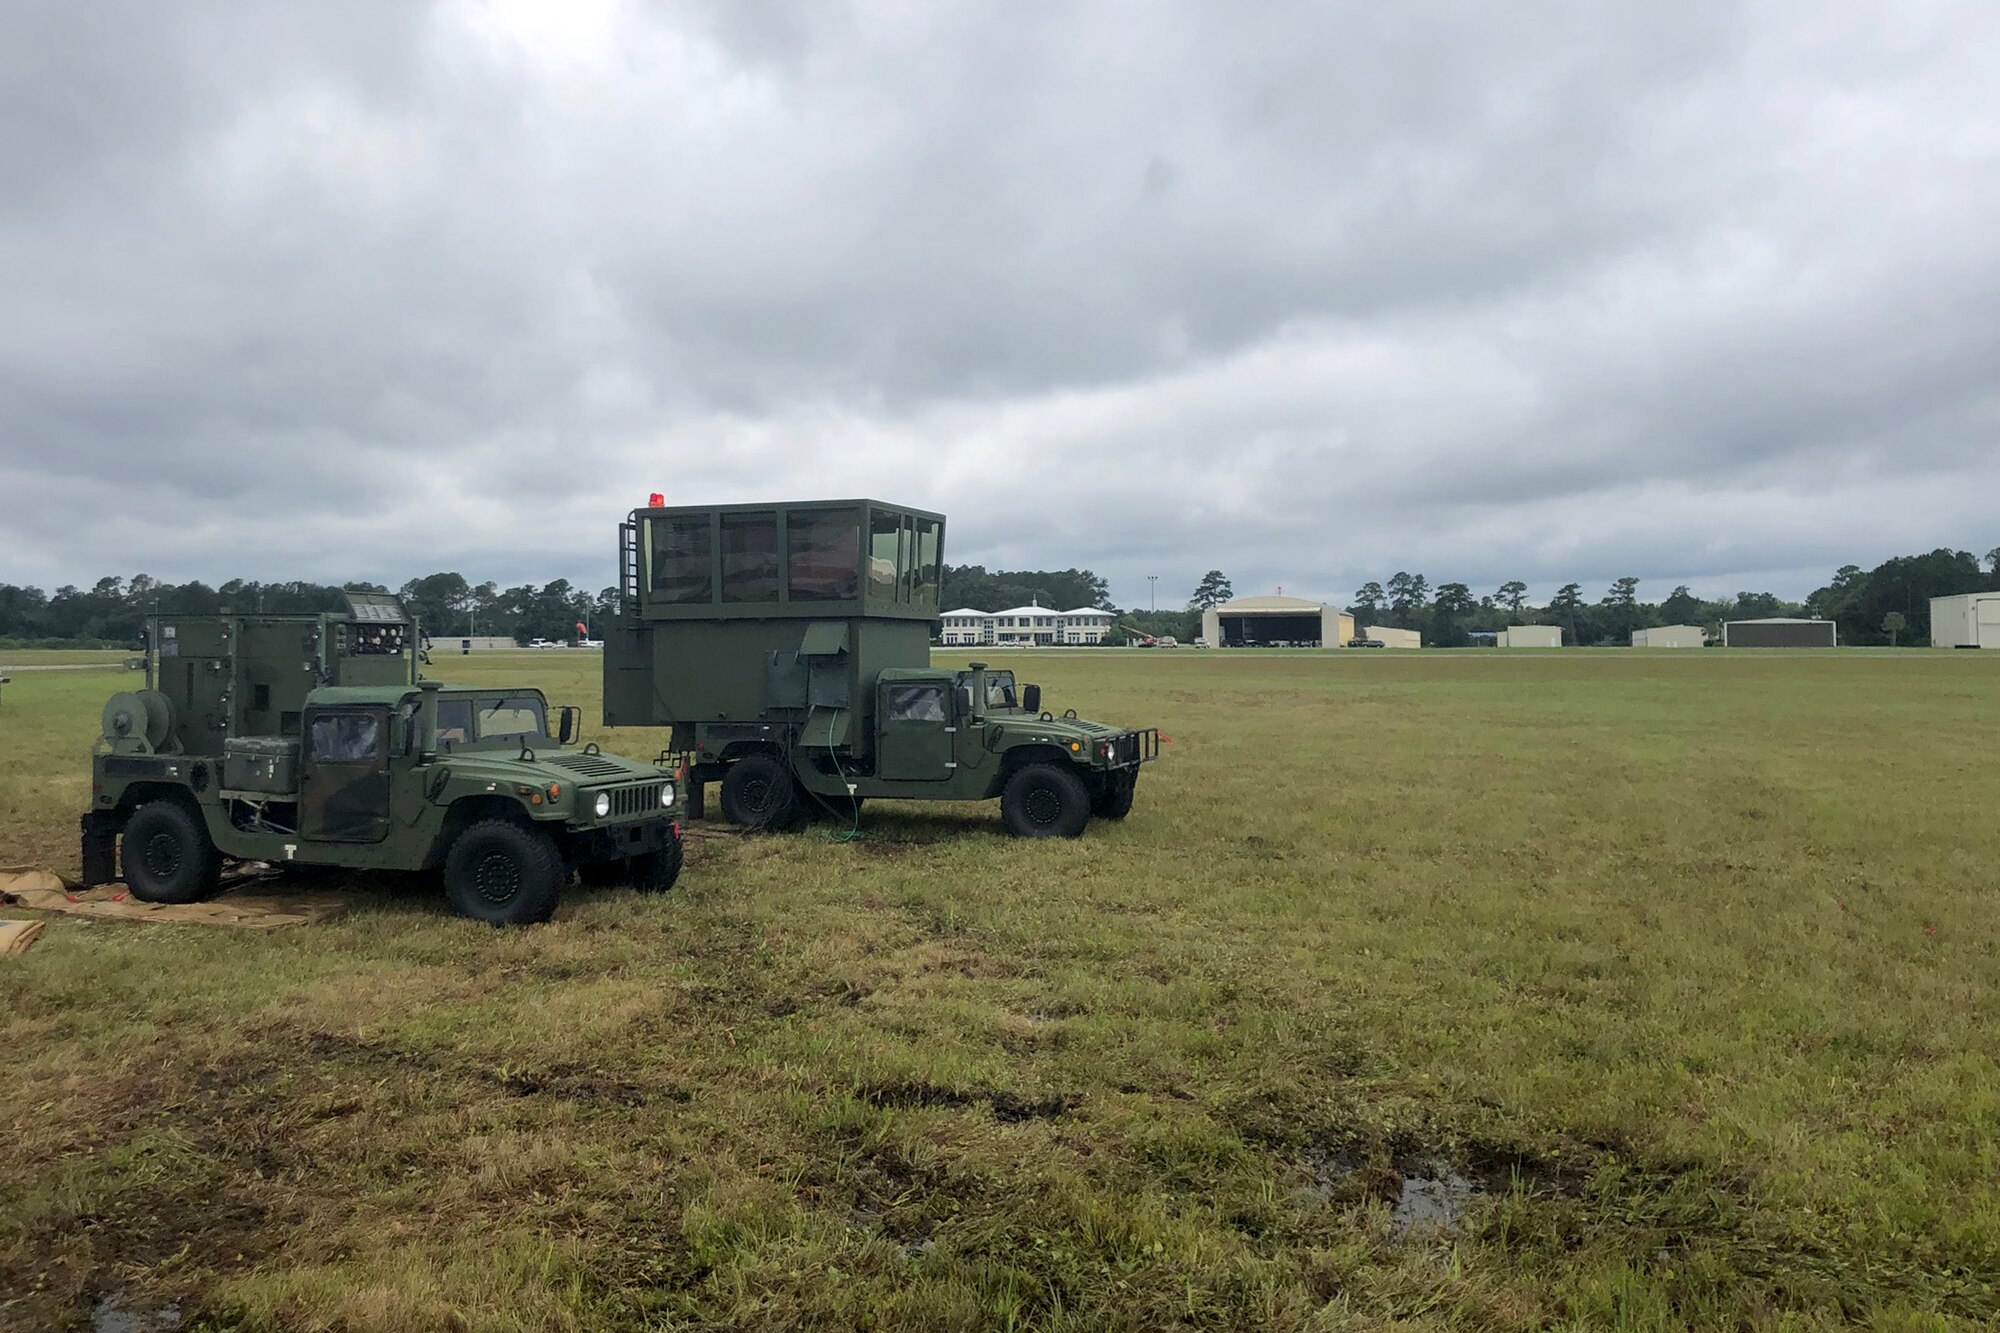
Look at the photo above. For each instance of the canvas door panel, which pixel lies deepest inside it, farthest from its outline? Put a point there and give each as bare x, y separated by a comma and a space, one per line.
345, 795
916, 745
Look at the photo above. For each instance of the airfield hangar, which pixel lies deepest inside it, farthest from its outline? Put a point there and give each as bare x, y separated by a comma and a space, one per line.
1970, 620
1275, 622
1670, 636
1780, 632
1530, 636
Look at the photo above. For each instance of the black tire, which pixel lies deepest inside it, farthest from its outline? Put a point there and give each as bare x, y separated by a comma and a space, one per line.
656, 872
1115, 801
167, 857
760, 792
503, 874
1045, 801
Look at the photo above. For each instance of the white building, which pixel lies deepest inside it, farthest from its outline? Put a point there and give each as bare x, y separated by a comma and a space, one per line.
1024, 627
1670, 636
1390, 637
1970, 620
1530, 636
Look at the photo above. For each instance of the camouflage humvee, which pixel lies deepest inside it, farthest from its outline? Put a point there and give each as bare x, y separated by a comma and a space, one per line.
788, 646
313, 740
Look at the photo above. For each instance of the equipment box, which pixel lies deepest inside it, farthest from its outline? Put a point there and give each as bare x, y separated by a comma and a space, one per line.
267, 765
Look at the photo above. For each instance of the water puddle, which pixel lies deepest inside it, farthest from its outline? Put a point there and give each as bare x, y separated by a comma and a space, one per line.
1430, 1203
111, 1315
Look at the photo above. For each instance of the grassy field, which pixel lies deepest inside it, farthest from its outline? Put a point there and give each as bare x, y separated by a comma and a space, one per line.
1593, 990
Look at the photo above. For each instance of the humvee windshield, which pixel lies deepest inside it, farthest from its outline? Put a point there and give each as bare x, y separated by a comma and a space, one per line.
1000, 689
502, 717
510, 716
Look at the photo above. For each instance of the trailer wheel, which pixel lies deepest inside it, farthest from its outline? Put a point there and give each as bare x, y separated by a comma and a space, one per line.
167, 857
1045, 801
1115, 801
760, 792
503, 874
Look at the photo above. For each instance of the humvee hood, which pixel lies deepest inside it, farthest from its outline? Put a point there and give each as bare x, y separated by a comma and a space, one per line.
576, 768
595, 768
1065, 728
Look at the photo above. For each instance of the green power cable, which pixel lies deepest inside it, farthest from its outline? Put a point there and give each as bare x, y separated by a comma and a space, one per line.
853, 831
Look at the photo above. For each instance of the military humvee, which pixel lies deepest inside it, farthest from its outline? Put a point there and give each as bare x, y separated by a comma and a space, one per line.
788, 646
314, 740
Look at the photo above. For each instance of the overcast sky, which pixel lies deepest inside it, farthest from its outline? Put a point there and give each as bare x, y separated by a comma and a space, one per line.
1701, 292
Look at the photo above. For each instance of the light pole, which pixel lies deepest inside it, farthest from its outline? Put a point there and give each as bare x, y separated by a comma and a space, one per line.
1153, 591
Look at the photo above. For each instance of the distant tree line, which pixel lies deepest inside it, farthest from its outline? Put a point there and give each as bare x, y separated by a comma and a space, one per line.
1888, 605
998, 589
113, 611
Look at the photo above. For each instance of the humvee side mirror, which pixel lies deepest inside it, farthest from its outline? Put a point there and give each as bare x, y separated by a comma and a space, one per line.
568, 722
1031, 698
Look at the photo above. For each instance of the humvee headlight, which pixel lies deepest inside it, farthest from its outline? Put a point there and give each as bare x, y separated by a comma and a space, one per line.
1076, 747
666, 795
603, 805
555, 791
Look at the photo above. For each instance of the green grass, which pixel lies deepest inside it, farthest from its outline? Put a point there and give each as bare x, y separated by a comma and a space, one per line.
1683, 962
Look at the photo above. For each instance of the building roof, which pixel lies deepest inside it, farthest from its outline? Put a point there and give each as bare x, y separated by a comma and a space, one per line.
1030, 611
1782, 620
1242, 604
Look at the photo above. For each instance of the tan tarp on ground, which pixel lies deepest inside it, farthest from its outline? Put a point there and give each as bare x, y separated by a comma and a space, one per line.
239, 904
18, 936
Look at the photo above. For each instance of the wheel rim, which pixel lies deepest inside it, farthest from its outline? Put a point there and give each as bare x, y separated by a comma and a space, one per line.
1044, 805
162, 856
498, 878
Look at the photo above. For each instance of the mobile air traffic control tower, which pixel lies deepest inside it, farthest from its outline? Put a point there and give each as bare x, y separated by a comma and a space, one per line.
788, 646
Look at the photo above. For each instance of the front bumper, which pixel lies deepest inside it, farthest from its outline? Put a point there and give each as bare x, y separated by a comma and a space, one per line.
1129, 750
621, 842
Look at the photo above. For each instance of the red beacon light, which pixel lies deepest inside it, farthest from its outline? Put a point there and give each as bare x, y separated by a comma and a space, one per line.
656, 501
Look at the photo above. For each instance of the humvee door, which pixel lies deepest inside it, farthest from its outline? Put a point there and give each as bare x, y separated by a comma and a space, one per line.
344, 796
916, 731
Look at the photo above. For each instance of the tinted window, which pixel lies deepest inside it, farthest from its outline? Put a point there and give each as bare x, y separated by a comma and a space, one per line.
916, 703
926, 593
750, 557
682, 568
1000, 689
346, 738
454, 721
885, 535
823, 555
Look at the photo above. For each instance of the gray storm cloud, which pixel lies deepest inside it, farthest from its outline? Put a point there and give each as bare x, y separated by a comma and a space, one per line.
1307, 292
